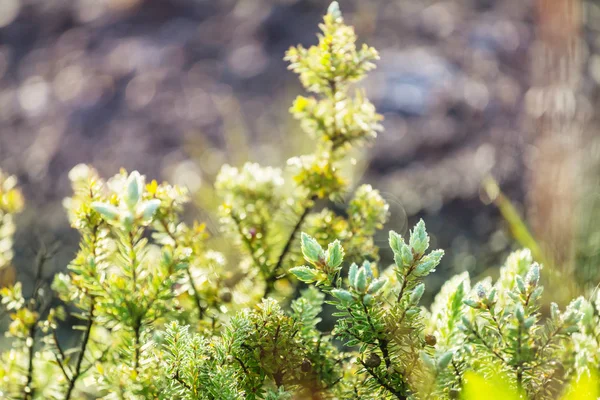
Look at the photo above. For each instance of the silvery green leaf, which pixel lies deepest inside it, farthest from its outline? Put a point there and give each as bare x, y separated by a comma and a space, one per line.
334, 10
472, 303
417, 293
520, 284
311, 249
135, 188
528, 323
335, 254
554, 310
492, 295
352, 274
107, 211
533, 275
513, 296
429, 262
571, 329
576, 304
428, 360
368, 270
368, 299
398, 260
412, 312
396, 242
537, 293
376, 285
406, 255
305, 274
588, 313
419, 240
361, 280
444, 360
343, 295
424, 267
466, 322
127, 220
148, 208
520, 313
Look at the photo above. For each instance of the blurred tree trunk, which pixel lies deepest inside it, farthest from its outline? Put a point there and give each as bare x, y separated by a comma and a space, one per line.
554, 168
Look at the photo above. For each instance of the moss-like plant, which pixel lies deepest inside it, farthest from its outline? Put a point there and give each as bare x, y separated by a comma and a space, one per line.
162, 316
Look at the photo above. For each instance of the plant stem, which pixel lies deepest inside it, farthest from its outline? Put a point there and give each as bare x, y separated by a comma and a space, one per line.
138, 319
405, 280
30, 342
382, 343
84, 344
519, 361
272, 277
487, 345
383, 383
60, 357
136, 345
238, 224
29, 391
197, 299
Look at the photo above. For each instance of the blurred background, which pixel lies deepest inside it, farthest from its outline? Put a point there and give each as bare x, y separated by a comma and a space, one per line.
470, 89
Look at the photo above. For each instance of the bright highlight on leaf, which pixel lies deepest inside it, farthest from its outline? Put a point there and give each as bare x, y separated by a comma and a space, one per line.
585, 387
478, 387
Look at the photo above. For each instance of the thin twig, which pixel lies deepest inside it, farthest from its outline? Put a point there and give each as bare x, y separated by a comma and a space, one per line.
42, 257
84, 343
60, 357
182, 382
383, 383
272, 277
196, 295
238, 224
382, 343
486, 344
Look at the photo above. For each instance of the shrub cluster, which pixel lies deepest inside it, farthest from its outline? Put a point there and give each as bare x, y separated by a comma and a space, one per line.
162, 316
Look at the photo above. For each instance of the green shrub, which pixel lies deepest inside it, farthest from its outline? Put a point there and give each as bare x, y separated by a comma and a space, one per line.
162, 316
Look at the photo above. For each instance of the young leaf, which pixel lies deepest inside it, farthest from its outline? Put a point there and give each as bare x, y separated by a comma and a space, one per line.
343, 295
312, 250
305, 274
335, 254
107, 211
419, 240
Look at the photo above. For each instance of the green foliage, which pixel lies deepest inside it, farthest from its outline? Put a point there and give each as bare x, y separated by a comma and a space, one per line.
163, 316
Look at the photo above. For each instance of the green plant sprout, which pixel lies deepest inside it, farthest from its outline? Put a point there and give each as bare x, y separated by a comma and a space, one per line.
161, 315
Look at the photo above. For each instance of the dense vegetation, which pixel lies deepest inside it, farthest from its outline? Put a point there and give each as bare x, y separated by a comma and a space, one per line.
162, 316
